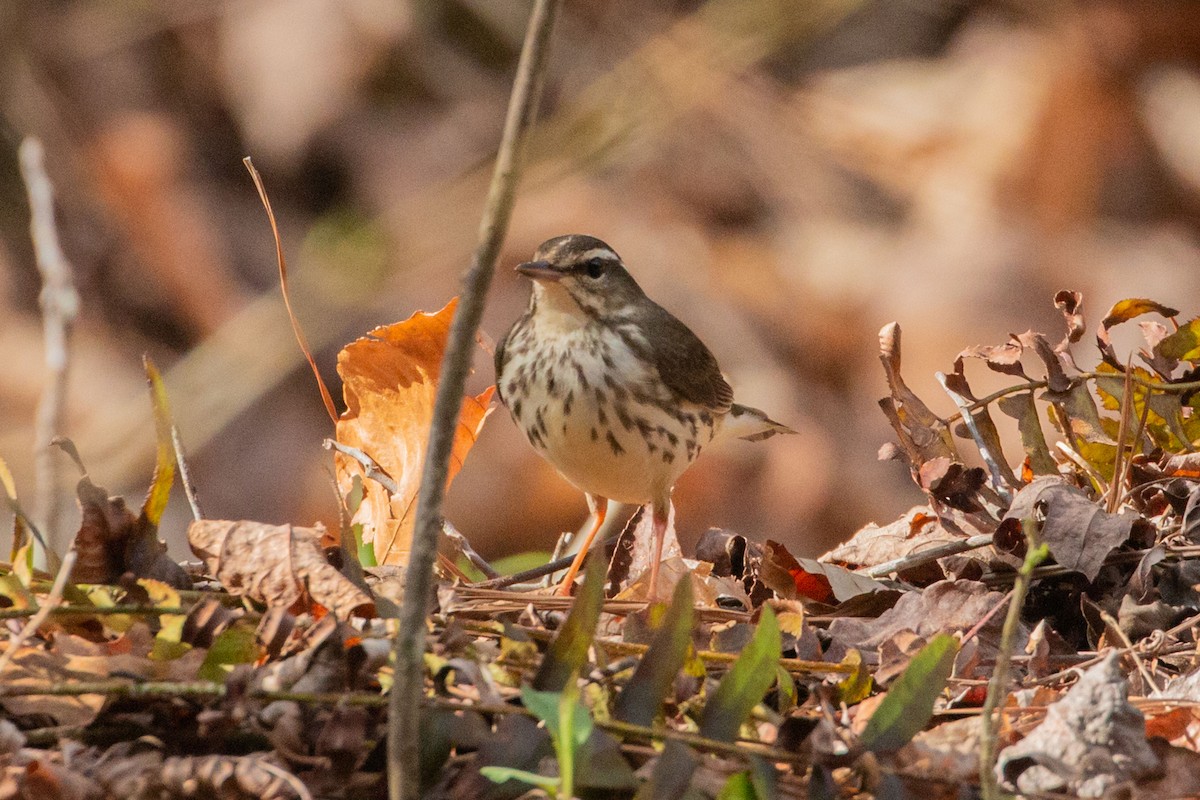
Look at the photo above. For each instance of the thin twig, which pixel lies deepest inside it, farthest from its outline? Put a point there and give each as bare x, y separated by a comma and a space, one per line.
998, 686
404, 709
1114, 488
920, 558
52, 600
185, 476
370, 466
96, 611
479, 562
60, 304
301, 339
1111, 622
549, 568
993, 460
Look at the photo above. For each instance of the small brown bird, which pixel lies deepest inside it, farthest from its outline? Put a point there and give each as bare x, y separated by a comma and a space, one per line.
617, 394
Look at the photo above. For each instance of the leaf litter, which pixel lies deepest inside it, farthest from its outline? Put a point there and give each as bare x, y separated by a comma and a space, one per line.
861, 673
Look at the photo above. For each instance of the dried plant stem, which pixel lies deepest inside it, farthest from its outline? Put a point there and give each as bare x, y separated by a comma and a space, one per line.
52, 600
185, 476
404, 708
1114, 488
370, 466
998, 686
923, 557
992, 460
710, 657
60, 304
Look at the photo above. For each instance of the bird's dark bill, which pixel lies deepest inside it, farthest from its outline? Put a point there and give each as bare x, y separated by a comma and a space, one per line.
539, 271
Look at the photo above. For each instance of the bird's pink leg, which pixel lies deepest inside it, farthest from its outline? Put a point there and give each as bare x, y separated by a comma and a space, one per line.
661, 511
599, 507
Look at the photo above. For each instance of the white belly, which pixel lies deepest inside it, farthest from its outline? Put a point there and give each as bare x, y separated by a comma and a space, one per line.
626, 440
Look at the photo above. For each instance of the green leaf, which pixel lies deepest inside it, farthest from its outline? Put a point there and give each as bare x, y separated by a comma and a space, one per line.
557, 708
1183, 344
908, 705
744, 685
1022, 408
738, 787
643, 696
519, 562
502, 774
568, 652
236, 644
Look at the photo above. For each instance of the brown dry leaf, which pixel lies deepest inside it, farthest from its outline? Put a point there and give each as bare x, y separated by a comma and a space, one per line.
106, 525
389, 382
1071, 305
1003, 358
944, 607
1078, 532
922, 433
918, 529
278, 565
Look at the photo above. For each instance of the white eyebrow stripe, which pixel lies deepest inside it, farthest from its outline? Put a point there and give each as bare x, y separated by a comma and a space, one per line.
598, 252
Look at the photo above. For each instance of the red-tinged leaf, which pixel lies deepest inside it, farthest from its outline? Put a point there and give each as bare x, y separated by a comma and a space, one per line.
790, 577
908, 705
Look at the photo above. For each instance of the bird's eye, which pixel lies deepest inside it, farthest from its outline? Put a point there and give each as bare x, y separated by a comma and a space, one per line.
594, 267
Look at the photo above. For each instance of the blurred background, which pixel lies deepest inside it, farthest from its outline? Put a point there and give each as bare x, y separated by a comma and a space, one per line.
785, 176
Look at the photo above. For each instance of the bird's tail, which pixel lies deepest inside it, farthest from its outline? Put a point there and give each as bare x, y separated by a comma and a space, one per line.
751, 424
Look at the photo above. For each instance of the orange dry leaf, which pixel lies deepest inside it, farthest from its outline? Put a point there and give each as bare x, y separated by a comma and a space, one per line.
389, 380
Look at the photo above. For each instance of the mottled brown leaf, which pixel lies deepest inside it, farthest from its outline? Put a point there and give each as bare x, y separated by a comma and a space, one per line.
1091, 740
1004, 358
279, 565
1071, 305
1079, 533
922, 433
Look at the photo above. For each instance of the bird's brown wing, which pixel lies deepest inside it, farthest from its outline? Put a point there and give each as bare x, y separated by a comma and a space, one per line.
685, 365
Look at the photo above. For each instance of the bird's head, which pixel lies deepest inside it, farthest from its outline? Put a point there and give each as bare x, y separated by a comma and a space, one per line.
581, 276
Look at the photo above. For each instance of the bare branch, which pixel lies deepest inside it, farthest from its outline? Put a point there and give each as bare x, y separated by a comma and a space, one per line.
405, 705
60, 303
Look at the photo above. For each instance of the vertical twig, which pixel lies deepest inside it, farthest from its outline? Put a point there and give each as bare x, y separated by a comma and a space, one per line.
185, 476
60, 304
1035, 554
404, 704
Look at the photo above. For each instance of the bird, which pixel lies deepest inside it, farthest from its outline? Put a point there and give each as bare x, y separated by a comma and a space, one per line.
610, 388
